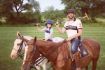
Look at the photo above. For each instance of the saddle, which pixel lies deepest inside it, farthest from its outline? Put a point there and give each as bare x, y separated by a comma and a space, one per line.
82, 50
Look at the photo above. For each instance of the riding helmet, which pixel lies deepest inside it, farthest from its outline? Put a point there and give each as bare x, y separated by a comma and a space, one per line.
70, 11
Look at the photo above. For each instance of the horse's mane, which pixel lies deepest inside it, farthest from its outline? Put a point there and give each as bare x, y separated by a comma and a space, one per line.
48, 43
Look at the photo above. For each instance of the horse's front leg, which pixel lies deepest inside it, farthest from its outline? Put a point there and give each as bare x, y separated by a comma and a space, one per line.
94, 64
60, 62
44, 64
78, 68
25, 67
86, 68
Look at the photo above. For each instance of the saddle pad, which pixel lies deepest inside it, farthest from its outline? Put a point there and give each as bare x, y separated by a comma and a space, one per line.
57, 39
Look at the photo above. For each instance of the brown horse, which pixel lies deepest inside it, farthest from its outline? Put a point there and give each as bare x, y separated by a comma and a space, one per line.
52, 51
58, 54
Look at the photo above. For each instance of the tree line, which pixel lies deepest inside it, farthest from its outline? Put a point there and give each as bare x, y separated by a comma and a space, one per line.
91, 7
19, 12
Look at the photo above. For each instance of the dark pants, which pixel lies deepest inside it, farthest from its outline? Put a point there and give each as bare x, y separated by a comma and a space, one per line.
74, 45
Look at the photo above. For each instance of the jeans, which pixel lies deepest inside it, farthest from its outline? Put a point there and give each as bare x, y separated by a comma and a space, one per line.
74, 45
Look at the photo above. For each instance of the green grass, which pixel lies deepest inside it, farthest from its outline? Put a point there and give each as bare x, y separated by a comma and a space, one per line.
8, 35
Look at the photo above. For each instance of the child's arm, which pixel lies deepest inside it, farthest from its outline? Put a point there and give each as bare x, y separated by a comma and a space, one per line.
61, 30
43, 29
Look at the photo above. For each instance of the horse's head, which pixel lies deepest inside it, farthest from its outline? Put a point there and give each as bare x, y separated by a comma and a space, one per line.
30, 55
31, 49
19, 45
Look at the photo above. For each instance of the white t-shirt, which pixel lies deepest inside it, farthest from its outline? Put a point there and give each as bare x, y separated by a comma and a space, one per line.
70, 32
48, 33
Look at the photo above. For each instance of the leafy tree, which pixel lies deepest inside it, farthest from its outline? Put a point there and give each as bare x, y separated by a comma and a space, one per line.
35, 5
91, 7
53, 14
14, 9
75, 4
5, 7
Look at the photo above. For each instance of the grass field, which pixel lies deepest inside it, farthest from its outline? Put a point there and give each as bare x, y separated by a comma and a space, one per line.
8, 35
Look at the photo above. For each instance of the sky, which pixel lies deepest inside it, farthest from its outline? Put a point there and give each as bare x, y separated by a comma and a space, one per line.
44, 4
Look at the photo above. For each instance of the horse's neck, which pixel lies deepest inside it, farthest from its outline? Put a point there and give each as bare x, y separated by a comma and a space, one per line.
47, 48
42, 45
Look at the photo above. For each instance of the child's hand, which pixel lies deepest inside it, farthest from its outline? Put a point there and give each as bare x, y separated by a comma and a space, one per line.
57, 25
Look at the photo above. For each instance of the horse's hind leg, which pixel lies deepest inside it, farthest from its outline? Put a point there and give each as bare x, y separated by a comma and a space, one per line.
94, 64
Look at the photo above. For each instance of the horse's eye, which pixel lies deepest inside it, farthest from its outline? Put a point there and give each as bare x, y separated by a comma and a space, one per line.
18, 44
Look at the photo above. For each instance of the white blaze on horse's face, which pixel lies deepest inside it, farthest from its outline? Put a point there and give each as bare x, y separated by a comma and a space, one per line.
17, 42
15, 49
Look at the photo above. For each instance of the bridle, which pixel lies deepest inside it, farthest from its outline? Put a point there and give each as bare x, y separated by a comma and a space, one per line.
20, 54
19, 51
34, 50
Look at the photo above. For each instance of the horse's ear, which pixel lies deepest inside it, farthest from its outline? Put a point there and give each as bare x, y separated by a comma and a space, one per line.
19, 35
35, 38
